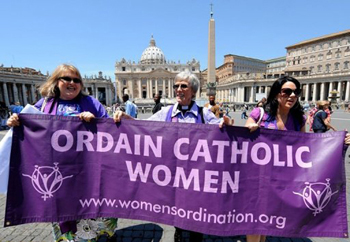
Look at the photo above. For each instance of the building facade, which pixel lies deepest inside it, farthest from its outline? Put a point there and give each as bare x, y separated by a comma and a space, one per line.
320, 64
153, 74
21, 85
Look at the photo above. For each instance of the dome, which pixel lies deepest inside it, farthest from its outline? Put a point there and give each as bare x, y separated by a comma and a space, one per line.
152, 54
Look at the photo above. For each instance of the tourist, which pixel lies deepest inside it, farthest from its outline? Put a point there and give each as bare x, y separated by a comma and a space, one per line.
321, 121
129, 106
64, 95
158, 105
244, 112
261, 102
212, 106
282, 111
185, 110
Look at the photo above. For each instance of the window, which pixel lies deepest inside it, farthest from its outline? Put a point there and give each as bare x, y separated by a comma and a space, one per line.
312, 58
336, 66
320, 57
312, 69
338, 54
124, 82
193, 69
329, 55
319, 68
305, 60
346, 65
123, 68
347, 51
328, 67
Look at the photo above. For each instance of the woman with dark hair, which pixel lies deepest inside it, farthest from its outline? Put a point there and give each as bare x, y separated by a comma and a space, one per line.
282, 111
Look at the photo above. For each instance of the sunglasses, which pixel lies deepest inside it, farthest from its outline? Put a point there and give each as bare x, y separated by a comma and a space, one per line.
289, 91
68, 79
182, 86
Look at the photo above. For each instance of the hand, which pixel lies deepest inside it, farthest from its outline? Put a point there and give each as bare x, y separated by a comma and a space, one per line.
13, 120
347, 139
252, 126
225, 121
118, 115
86, 116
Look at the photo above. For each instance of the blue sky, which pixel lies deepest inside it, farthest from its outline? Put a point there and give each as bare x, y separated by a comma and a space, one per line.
93, 35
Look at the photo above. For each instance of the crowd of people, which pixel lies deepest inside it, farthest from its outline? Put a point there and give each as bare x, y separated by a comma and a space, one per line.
63, 94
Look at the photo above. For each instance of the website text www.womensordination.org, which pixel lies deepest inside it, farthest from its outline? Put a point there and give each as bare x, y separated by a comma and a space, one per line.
200, 215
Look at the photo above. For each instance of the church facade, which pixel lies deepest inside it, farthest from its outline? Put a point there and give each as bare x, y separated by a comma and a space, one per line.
152, 74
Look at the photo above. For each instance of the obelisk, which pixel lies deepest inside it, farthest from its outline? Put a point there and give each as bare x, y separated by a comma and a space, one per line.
211, 78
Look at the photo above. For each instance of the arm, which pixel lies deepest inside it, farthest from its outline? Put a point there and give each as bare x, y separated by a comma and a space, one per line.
328, 124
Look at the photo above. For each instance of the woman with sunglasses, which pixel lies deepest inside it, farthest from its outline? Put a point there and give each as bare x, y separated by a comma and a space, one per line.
282, 111
63, 95
185, 110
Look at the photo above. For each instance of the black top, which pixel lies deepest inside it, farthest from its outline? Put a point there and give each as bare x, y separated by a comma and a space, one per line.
318, 123
157, 107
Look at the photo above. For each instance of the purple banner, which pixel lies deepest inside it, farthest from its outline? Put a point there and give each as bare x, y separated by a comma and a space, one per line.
194, 176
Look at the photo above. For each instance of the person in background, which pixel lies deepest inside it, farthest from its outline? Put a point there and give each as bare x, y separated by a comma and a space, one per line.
261, 102
221, 109
321, 122
129, 107
244, 112
158, 105
282, 111
212, 106
185, 110
136, 108
4, 115
63, 95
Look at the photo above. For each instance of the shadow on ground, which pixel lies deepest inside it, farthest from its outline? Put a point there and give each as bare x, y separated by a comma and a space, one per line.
153, 233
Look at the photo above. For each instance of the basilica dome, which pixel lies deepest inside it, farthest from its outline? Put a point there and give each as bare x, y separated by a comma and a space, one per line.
152, 54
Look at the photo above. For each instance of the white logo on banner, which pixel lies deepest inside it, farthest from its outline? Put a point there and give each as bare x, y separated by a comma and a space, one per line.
47, 180
316, 195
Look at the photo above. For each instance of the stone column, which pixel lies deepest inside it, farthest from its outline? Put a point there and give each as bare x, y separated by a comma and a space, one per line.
314, 92
32, 93
164, 89
169, 89
307, 91
15, 92
139, 85
156, 89
119, 89
251, 98
24, 93
331, 86
322, 91
347, 93
96, 91
151, 89
339, 91
147, 89
6, 95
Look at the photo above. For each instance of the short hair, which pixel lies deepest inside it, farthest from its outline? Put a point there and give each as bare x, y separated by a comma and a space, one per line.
50, 89
190, 77
125, 97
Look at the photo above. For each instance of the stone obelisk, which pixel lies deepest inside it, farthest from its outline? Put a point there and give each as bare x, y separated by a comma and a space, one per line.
211, 78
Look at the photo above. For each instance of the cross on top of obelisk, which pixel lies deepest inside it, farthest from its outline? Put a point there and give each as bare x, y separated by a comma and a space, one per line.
211, 10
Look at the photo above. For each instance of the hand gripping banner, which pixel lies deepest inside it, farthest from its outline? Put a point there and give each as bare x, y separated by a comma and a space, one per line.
197, 177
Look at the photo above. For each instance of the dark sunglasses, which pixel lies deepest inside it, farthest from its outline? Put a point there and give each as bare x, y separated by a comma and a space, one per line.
289, 91
183, 86
67, 79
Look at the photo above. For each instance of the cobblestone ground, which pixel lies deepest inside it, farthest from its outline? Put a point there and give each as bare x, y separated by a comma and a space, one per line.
139, 231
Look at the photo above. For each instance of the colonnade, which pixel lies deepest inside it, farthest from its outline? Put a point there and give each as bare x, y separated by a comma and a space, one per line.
311, 91
18, 92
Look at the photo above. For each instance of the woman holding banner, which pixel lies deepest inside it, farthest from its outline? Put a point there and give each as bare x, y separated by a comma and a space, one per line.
63, 95
184, 111
282, 111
